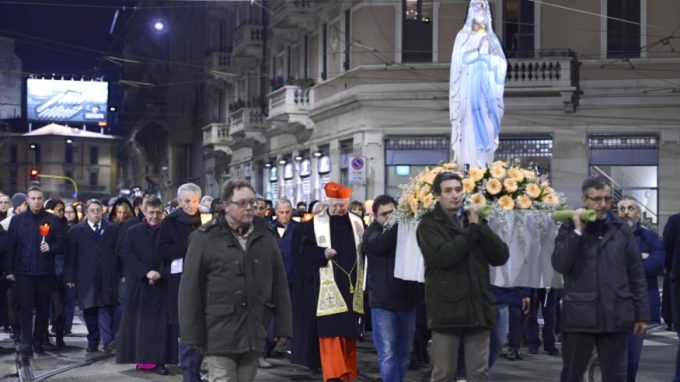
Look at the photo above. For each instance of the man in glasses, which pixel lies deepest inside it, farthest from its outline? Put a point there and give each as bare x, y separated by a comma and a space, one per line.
234, 283
605, 293
92, 266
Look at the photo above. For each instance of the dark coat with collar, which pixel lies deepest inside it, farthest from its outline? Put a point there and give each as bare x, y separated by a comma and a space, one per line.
384, 290
604, 281
287, 246
649, 242
457, 283
671, 243
23, 256
92, 264
228, 296
173, 241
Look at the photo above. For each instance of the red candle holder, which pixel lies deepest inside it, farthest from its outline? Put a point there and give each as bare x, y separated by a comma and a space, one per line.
44, 231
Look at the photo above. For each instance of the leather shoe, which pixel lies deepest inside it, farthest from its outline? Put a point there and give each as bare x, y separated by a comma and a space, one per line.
61, 343
512, 355
552, 351
92, 348
161, 369
110, 347
533, 350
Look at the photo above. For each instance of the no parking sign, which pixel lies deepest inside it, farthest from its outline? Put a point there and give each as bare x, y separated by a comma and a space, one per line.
357, 171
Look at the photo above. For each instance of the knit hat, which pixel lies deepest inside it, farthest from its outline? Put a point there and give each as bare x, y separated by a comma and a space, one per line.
18, 199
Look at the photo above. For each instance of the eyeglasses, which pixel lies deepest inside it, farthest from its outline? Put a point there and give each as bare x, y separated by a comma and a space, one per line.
244, 203
600, 199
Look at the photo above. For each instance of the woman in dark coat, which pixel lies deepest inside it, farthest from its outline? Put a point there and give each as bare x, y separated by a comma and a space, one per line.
146, 336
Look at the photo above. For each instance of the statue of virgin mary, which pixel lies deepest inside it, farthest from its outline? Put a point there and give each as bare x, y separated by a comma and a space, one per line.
476, 87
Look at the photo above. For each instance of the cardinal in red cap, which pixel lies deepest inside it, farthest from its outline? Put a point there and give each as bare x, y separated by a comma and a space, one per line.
332, 242
338, 198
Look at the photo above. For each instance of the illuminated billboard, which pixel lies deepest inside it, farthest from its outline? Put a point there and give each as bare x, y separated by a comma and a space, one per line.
66, 100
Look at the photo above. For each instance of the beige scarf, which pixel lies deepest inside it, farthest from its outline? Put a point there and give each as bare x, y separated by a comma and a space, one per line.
330, 299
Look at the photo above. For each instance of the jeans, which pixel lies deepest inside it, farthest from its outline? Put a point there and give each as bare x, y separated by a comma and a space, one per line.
393, 333
499, 333
190, 360
634, 351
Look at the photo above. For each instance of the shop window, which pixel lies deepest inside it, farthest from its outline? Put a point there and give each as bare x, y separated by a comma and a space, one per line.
416, 39
623, 38
631, 163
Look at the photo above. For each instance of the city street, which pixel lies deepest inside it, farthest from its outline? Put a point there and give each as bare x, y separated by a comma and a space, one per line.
657, 364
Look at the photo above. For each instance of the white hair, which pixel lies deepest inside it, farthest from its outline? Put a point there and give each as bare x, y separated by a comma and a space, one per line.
283, 201
189, 187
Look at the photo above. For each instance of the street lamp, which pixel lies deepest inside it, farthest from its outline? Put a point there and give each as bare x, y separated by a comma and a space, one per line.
159, 26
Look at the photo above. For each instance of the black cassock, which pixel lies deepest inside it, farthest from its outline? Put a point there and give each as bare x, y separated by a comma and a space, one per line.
342, 240
305, 343
146, 335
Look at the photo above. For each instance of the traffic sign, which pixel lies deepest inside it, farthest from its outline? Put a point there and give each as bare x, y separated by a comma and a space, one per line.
357, 171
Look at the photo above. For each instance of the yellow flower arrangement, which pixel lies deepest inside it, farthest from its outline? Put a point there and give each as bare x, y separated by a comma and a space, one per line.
494, 186
516, 173
510, 185
477, 200
417, 196
523, 202
498, 172
506, 187
506, 202
533, 190
469, 185
476, 174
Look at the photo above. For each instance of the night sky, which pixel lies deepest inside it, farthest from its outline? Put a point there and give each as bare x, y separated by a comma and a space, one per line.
66, 40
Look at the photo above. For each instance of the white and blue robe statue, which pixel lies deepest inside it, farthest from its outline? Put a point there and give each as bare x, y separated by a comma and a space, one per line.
476, 85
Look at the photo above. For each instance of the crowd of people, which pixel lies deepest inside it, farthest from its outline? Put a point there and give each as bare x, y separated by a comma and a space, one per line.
231, 280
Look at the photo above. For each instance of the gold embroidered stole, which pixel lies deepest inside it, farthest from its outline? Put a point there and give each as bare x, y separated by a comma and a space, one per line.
330, 299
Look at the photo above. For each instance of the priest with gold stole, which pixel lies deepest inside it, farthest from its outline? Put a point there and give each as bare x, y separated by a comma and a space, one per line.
332, 242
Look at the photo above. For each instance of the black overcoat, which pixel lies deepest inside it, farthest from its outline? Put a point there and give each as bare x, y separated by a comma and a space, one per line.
305, 343
92, 264
146, 335
173, 242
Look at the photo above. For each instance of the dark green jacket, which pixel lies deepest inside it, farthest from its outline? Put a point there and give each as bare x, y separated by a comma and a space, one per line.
457, 287
228, 296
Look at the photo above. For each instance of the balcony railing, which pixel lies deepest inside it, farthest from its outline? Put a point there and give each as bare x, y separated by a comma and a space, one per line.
294, 13
540, 72
290, 99
246, 119
558, 75
216, 134
248, 40
219, 60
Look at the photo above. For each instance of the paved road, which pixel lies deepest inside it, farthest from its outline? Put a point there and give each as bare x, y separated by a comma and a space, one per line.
657, 364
